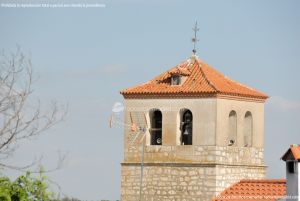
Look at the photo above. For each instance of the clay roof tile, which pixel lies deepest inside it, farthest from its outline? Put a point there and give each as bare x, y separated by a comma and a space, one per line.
200, 79
263, 190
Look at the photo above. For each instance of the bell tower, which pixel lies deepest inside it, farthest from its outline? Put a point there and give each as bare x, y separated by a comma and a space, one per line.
191, 132
202, 131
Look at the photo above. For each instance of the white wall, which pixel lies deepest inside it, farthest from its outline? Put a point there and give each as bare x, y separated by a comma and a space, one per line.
204, 118
298, 182
293, 183
210, 119
225, 106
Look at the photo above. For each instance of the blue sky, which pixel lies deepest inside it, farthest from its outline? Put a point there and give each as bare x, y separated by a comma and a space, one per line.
84, 57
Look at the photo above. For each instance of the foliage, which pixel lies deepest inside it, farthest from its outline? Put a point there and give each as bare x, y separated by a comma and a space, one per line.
25, 188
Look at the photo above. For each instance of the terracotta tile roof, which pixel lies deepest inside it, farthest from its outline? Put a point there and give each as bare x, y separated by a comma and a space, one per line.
250, 190
201, 79
179, 71
294, 151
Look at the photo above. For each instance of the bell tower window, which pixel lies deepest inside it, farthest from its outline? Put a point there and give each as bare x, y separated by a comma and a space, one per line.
187, 128
232, 130
156, 128
248, 121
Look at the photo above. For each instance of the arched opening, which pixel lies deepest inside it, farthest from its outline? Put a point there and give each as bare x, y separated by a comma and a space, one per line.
156, 127
232, 129
186, 127
248, 129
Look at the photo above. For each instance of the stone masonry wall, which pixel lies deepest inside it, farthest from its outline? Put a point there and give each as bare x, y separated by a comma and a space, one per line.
188, 172
179, 183
196, 154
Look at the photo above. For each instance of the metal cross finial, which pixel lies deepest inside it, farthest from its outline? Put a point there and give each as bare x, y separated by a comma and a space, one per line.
194, 39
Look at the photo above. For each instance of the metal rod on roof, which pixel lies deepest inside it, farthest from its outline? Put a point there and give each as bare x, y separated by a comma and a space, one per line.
194, 39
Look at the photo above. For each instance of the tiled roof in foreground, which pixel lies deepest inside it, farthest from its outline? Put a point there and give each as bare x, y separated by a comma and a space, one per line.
254, 190
200, 79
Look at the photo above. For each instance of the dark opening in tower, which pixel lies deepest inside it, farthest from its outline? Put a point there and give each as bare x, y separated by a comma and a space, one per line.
156, 127
187, 128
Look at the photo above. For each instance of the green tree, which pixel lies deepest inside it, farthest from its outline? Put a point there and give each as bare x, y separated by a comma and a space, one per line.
25, 188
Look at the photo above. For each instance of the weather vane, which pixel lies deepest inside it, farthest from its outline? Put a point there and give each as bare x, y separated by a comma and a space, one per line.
194, 39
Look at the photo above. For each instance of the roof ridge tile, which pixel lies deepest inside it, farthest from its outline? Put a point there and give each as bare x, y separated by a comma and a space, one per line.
211, 84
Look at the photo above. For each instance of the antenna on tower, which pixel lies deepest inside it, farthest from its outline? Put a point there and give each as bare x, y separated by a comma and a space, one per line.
195, 39
138, 127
